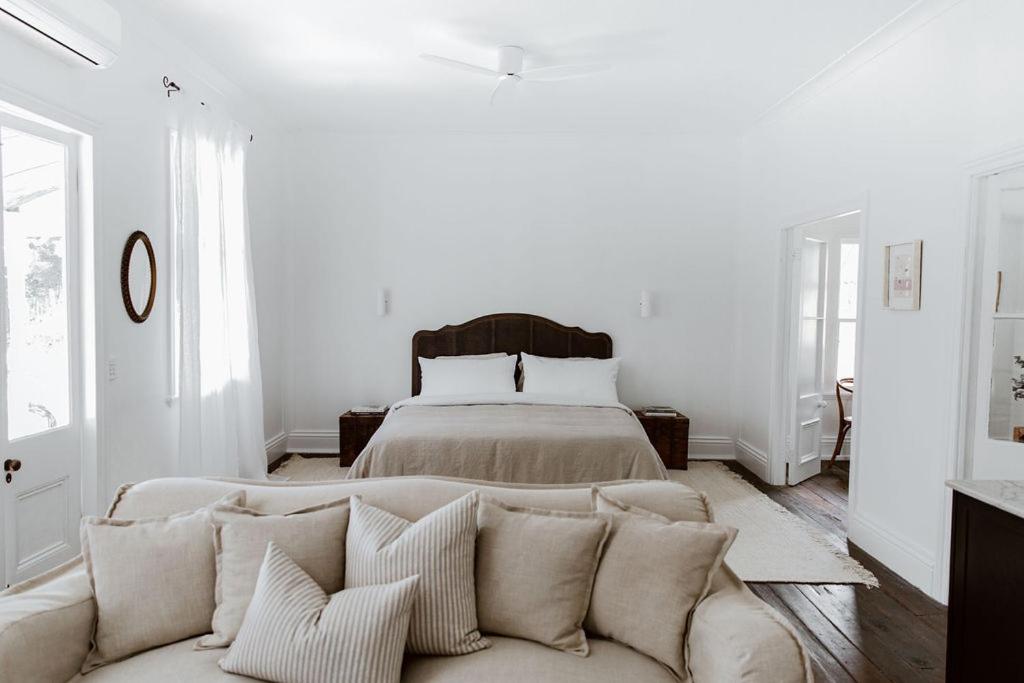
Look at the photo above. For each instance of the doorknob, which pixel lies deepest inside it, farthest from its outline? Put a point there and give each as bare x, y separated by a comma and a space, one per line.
10, 467
822, 404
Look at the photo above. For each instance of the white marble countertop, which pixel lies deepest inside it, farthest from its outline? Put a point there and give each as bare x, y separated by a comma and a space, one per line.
1001, 493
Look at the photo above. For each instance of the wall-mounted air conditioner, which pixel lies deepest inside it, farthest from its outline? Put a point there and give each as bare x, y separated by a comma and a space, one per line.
83, 31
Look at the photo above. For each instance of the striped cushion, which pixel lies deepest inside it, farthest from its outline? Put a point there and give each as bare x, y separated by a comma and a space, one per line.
295, 633
440, 548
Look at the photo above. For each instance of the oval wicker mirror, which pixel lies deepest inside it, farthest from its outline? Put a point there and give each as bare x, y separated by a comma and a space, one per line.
138, 275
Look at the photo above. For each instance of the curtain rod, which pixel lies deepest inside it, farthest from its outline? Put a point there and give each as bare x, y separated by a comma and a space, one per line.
173, 88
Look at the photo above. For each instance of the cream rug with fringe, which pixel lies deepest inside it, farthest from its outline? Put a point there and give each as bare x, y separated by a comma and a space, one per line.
773, 544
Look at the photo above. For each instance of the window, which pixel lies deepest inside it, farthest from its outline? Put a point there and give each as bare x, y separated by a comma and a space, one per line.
841, 308
846, 308
34, 243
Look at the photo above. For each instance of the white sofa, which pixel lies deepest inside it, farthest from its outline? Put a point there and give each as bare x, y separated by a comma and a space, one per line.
46, 623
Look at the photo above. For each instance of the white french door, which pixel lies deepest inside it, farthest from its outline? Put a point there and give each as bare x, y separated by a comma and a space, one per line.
40, 357
997, 441
807, 363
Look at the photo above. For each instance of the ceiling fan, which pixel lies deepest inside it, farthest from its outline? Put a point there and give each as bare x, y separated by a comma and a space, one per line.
510, 69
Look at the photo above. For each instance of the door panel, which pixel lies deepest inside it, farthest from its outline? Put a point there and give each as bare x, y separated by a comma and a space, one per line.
805, 440
40, 387
40, 531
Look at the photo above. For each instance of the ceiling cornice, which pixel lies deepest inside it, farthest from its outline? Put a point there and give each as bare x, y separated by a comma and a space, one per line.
915, 17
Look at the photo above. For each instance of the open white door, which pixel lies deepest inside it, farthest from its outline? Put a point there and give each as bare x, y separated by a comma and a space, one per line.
809, 282
40, 378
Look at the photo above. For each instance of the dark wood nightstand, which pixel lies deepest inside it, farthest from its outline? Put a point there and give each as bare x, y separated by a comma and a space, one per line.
353, 433
670, 436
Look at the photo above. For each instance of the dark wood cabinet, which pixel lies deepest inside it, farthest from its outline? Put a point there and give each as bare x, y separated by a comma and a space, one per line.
670, 437
354, 431
986, 599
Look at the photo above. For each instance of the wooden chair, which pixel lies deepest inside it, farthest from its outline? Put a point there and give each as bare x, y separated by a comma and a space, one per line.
845, 421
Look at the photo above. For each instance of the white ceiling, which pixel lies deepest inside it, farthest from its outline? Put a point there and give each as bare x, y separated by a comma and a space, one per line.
713, 65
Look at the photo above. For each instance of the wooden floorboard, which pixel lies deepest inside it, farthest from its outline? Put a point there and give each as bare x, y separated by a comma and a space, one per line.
891, 633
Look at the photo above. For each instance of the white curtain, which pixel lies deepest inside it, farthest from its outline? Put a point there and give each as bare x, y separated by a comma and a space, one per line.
219, 382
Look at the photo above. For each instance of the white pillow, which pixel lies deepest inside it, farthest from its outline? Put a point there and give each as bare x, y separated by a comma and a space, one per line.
448, 376
589, 378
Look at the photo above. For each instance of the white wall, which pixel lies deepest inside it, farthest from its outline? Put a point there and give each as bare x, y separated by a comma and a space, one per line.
571, 227
899, 129
127, 111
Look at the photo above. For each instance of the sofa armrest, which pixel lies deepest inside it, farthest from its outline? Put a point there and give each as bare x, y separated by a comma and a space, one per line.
735, 636
46, 625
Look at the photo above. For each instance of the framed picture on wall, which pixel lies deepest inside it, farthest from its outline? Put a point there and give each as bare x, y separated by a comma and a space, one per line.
902, 287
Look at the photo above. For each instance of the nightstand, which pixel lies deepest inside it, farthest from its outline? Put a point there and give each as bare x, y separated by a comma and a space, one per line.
670, 436
354, 431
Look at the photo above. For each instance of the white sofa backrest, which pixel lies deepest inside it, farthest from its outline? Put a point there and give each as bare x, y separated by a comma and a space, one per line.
407, 497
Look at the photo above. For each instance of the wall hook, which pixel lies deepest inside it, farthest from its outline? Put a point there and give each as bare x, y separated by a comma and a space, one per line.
171, 86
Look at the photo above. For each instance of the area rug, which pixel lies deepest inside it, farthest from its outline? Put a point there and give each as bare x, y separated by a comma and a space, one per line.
773, 544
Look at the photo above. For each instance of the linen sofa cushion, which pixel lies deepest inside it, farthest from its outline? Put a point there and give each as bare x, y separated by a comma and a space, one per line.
512, 660
652, 576
535, 571
408, 497
508, 660
314, 538
382, 548
153, 580
294, 632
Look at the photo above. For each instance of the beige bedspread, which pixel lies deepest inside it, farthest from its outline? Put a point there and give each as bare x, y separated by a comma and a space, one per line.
526, 442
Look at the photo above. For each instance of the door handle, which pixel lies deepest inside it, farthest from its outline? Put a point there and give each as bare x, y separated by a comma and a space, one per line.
823, 404
10, 467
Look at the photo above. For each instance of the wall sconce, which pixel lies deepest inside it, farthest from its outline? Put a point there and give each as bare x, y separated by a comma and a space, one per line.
383, 302
646, 308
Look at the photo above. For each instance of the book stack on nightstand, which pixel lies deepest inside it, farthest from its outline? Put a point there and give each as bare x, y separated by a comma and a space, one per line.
669, 432
355, 429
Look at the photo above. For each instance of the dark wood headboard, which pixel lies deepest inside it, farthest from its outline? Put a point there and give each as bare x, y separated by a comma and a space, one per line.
511, 333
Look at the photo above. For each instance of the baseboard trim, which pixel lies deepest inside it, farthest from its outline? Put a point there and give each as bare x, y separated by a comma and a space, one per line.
313, 441
276, 447
753, 458
712, 448
828, 444
325, 441
904, 557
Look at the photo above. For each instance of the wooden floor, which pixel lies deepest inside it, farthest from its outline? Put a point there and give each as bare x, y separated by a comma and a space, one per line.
853, 633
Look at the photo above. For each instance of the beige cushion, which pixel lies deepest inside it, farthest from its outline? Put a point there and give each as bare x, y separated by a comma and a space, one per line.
535, 570
408, 497
294, 632
511, 660
313, 538
153, 580
381, 548
653, 574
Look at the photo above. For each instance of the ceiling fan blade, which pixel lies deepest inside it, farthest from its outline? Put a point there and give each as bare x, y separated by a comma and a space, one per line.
465, 66
505, 84
562, 73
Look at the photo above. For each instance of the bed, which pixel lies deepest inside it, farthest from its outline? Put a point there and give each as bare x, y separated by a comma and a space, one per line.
510, 437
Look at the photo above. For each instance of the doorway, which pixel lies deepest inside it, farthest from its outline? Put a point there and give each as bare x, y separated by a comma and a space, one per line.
817, 356
995, 410
41, 364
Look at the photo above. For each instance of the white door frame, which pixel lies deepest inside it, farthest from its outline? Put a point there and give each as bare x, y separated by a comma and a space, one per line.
958, 464
782, 394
